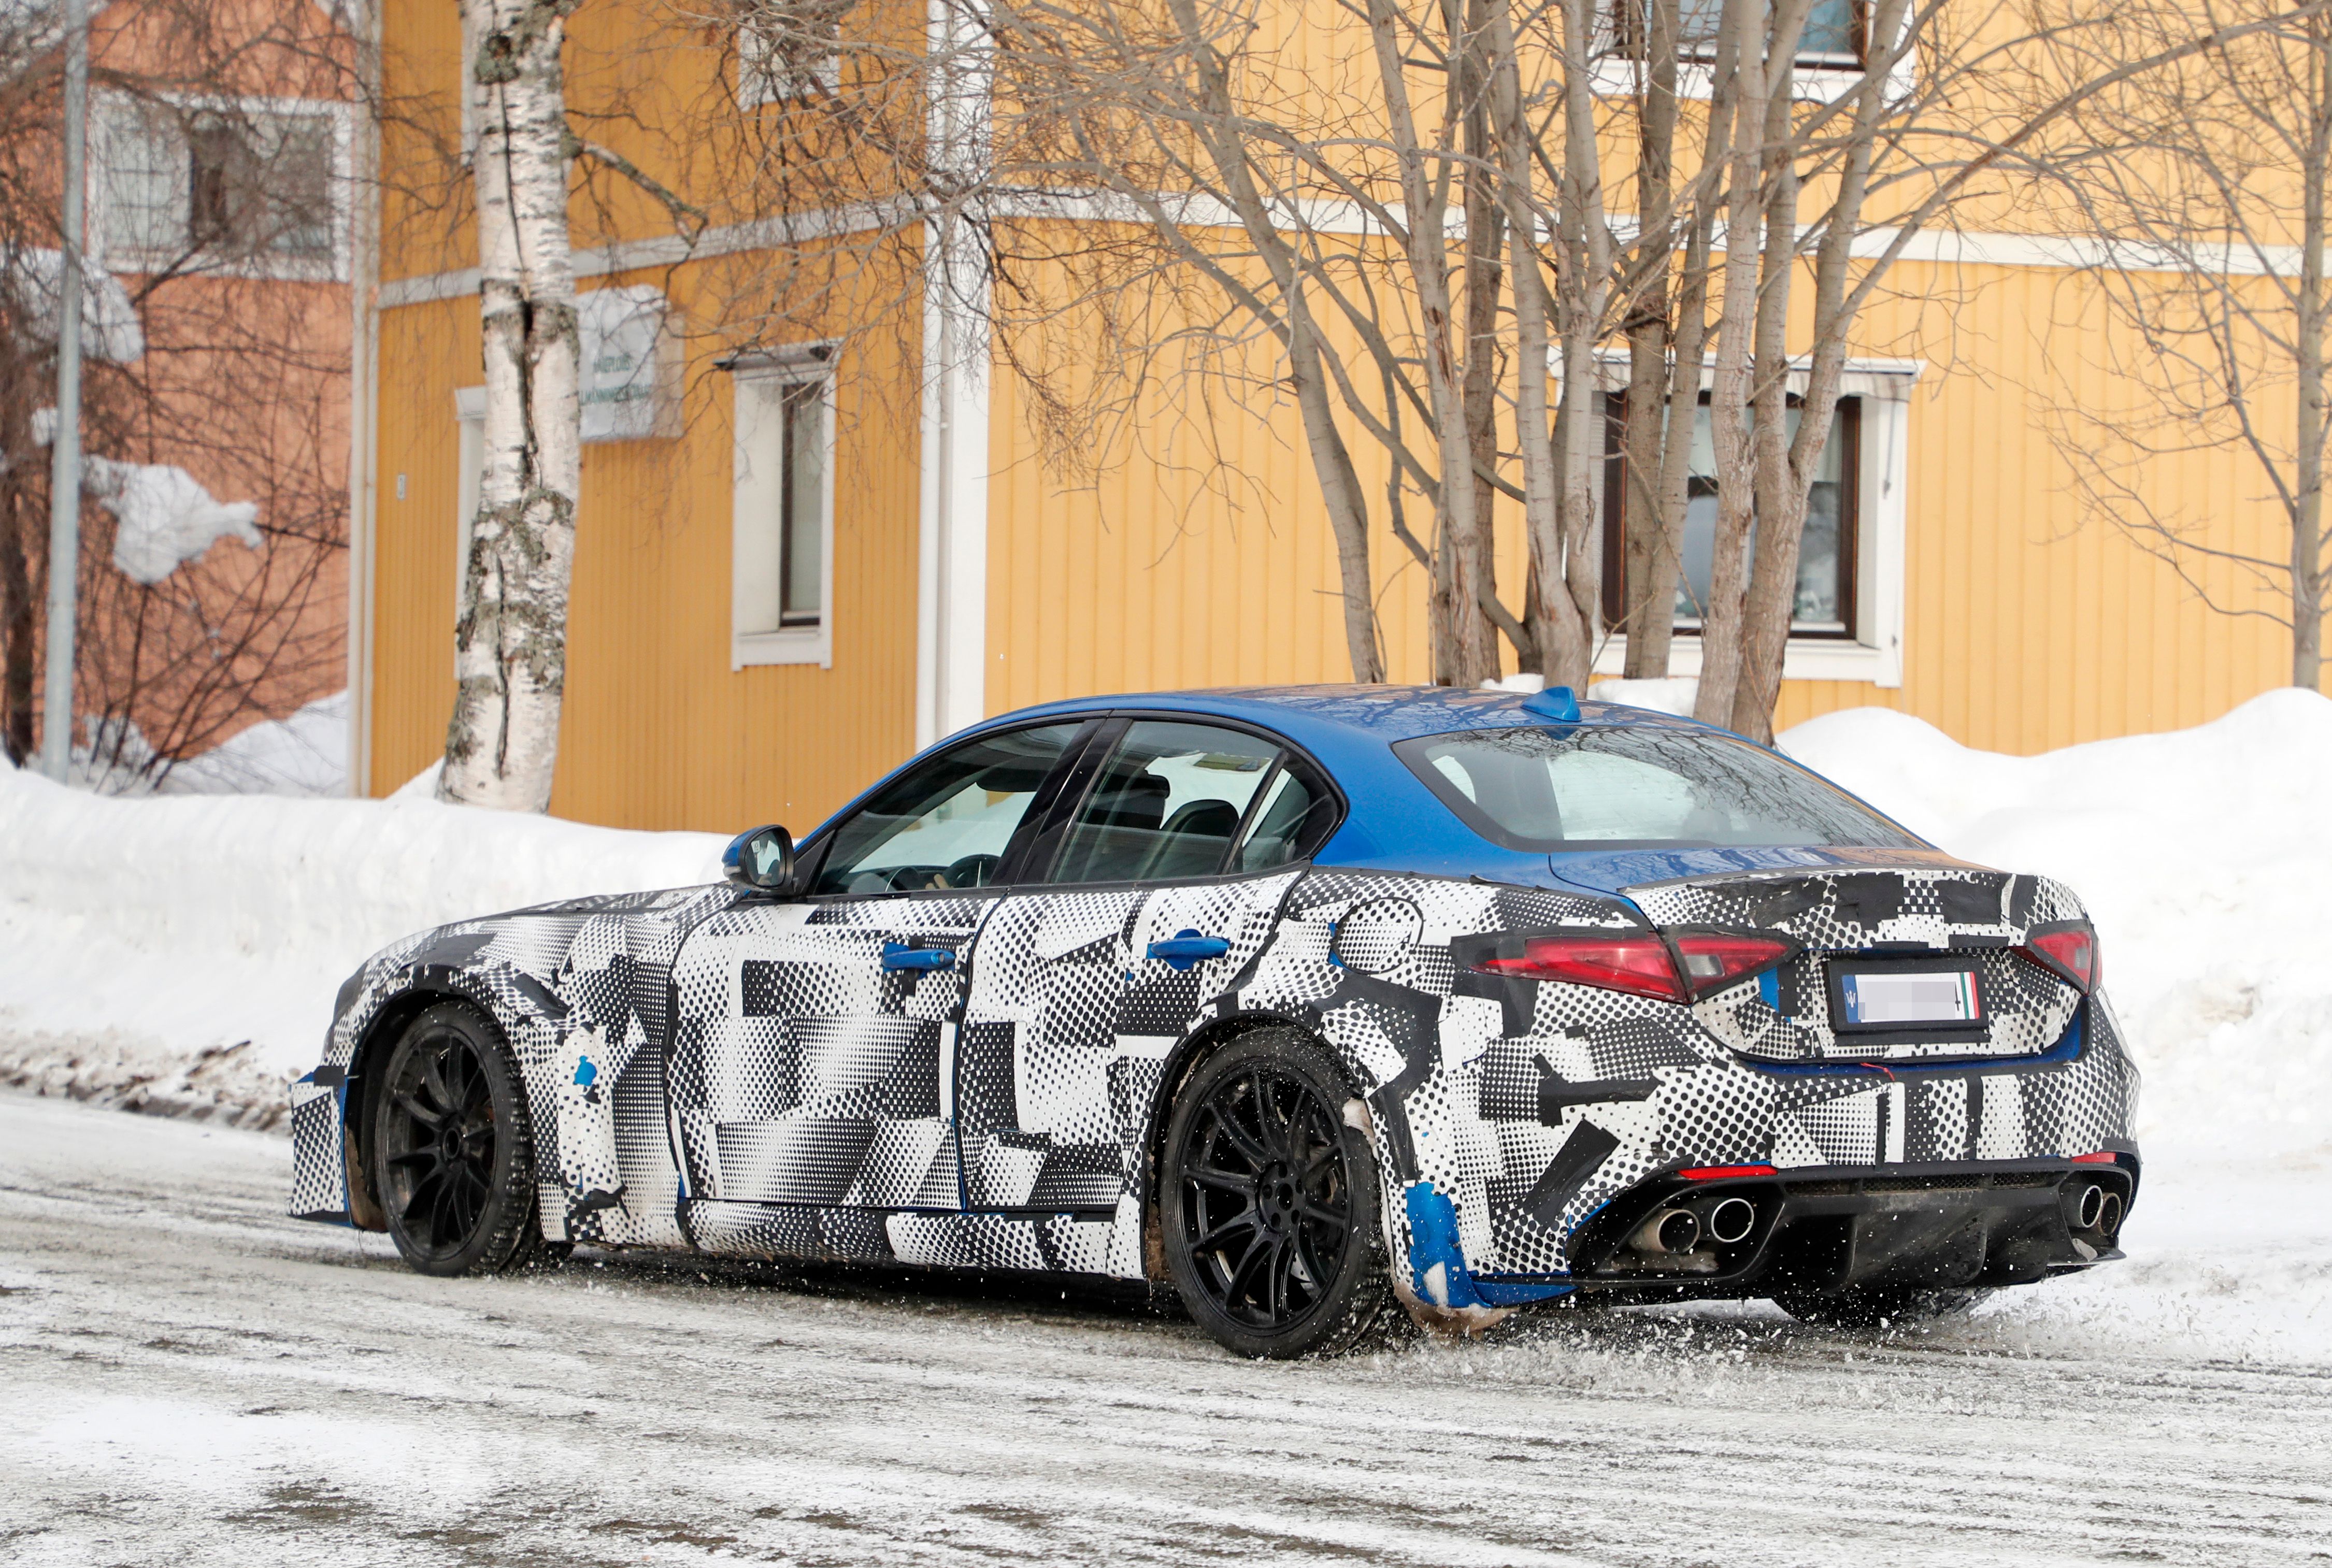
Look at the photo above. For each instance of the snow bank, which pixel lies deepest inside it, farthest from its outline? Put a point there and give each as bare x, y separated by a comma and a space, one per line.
2205, 857
144, 933
305, 754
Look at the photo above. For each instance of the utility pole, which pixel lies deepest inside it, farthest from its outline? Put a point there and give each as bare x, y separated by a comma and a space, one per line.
64, 474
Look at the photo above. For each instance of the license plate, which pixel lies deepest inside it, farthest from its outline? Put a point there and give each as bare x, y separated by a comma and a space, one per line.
1894, 999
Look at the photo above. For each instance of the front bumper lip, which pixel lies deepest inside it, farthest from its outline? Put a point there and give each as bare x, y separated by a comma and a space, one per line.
1829, 1228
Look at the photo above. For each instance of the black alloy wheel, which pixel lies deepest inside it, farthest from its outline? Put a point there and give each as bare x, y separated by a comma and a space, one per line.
453, 1160
1270, 1202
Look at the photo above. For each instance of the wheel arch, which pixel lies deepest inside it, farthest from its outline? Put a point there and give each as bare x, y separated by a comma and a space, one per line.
1184, 1060
375, 1039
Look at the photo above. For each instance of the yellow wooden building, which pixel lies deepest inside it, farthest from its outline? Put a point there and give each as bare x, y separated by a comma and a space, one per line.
790, 573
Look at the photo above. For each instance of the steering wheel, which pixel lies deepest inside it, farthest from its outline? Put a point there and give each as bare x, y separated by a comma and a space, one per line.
972, 871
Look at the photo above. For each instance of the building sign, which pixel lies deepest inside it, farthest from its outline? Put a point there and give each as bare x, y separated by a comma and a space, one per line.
631, 365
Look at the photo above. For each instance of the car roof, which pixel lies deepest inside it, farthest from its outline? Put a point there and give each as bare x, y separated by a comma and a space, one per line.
1327, 718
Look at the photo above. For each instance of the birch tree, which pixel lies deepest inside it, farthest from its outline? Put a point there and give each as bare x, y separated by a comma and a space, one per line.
501, 743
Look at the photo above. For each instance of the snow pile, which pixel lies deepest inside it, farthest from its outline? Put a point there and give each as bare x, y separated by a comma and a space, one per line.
164, 516
2205, 857
135, 934
305, 754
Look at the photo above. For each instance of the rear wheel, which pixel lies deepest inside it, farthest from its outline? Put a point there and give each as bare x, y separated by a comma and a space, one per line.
1878, 1306
1269, 1202
452, 1154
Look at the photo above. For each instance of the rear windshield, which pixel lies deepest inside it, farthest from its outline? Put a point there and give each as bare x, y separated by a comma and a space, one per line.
1590, 787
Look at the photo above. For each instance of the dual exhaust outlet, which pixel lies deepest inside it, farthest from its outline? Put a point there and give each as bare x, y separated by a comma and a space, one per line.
2094, 1209
1675, 1231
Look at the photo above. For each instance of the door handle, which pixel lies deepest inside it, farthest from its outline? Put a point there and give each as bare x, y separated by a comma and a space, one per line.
923, 960
1186, 947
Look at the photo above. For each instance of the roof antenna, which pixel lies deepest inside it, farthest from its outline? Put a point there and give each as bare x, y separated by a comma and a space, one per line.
1560, 704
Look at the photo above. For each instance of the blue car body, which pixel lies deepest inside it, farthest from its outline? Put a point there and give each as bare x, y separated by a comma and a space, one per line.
720, 1069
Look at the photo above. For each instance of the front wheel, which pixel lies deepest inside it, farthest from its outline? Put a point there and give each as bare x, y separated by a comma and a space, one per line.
1269, 1202
453, 1158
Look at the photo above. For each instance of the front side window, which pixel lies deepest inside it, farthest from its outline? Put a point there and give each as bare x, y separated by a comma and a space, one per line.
1594, 789
1169, 803
947, 822
1825, 604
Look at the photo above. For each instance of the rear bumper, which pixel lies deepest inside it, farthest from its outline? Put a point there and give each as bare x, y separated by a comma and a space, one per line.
1938, 1225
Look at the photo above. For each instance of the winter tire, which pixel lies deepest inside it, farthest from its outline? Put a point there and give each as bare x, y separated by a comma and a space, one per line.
452, 1154
1269, 1202
1873, 1306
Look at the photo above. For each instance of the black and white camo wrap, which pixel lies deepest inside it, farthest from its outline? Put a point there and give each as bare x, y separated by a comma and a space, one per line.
711, 1070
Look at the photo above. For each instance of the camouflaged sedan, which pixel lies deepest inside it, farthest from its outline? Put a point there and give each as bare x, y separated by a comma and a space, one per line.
1299, 1001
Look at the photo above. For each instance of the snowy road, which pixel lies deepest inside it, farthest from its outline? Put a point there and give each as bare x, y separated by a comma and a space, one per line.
187, 1377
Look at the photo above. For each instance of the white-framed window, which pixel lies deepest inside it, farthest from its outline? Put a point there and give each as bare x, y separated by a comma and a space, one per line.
252, 186
788, 50
781, 517
1834, 48
1848, 621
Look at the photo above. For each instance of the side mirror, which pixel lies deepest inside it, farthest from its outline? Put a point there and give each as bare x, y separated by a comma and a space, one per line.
761, 858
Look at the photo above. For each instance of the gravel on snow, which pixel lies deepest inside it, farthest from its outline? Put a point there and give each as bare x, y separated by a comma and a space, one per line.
187, 1376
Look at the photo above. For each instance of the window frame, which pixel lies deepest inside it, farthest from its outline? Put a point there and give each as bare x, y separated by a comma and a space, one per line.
1045, 851
1630, 37
1016, 860
772, 374
757, 82
111, 114
1850, 548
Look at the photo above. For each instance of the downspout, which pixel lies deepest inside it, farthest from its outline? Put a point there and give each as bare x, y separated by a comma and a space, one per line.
952, 556
363, 395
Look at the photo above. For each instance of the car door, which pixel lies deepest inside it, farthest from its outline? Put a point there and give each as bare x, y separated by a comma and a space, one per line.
1164, 876
815, 1036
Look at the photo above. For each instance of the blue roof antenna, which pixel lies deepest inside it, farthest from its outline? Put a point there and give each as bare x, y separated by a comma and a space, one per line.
1560, 704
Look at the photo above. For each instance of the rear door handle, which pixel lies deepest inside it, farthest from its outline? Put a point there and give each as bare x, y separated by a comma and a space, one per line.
1186, 947
899, 955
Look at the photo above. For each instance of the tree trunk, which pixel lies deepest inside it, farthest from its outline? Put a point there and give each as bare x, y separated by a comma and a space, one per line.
1645, 547
1771, 599
1543, 605
2308, 343
1720, 618
1485, 288
15, 626
1466, 648
511, 639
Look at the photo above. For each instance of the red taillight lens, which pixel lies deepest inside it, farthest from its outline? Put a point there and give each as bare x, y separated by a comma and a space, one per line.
1714, 960
1638, 964
2071, 950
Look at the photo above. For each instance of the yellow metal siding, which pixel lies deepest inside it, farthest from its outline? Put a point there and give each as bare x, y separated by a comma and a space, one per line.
658, 731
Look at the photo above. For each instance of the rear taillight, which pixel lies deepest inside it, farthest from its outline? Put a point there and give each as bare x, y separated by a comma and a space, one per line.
1636, 963
1714, 960
2068, 948
1642, 963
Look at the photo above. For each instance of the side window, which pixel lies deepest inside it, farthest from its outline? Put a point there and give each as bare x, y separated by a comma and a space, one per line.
1295, 819
1168, 804
948, 822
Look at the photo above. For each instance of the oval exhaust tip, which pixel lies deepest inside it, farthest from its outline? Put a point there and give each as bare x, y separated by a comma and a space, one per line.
2091, 1207
1732, 1220
1669, 1230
